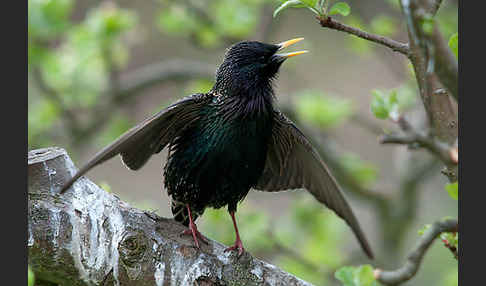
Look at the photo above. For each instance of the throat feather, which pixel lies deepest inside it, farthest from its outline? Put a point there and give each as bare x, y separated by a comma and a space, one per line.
252, 105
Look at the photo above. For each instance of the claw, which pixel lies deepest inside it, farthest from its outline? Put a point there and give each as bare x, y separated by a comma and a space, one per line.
238, 244
195, 235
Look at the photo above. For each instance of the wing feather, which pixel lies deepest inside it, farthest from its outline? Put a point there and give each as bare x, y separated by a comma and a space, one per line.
139, 143
293, 163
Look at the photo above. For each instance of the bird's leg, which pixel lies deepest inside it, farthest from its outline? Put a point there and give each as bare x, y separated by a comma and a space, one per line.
238, 244
193, 230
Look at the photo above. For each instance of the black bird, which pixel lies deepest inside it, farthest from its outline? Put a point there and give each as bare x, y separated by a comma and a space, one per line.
229, 140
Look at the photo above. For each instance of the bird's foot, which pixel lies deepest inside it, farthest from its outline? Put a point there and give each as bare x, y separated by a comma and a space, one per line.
238, 245
195, 234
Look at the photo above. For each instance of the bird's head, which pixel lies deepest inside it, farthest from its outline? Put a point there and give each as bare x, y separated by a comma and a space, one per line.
251, 65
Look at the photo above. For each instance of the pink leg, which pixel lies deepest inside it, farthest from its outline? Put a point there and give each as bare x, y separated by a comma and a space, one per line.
193, 230
238, 244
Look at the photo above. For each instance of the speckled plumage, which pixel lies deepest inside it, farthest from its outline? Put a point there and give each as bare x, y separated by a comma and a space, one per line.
223, 143
216, 161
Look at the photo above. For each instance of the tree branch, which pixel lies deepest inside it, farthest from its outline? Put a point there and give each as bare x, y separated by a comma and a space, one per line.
412, 136
437, 103
446, 65
90, 237
411, 266
396, 46
425, 53
434, 6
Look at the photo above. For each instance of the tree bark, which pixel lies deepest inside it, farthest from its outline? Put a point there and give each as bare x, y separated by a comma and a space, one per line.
88, 236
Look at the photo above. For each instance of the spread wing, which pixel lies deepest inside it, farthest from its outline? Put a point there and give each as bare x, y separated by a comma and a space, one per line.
149, 137
293, 163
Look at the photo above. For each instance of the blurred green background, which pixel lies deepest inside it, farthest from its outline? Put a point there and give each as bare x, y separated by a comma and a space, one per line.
96, 68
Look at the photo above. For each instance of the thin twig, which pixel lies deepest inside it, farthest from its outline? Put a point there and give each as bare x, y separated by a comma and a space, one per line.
417, 138
411, 266
330, 23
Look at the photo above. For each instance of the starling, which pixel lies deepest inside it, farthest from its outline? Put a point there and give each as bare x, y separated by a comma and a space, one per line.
229, 140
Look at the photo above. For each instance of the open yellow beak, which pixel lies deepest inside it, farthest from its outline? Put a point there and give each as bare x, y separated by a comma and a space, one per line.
285, 44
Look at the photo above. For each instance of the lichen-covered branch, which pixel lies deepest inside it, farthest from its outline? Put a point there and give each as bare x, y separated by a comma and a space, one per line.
90, 237
411, 266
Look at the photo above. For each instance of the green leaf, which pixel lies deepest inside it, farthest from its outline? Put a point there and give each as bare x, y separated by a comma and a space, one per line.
424, 229
453, 43
356, 276
340, 8
31, 277
451, 238
363, 276
310, 3
384, 105
345, 275
108, 23
288, 4
378, 105
453, 190
48, 18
